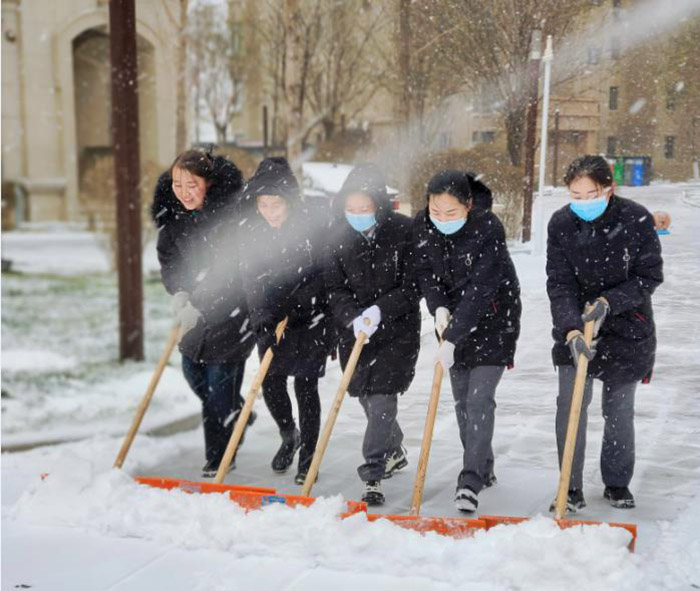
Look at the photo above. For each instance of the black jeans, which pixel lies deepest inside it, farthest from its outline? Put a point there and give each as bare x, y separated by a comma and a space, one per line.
218, 386
309, 405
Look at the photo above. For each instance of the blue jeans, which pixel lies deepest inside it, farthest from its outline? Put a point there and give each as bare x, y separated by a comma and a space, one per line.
218, 386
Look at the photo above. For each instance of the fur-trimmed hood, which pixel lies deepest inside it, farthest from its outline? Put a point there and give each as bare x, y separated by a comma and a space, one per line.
223, 193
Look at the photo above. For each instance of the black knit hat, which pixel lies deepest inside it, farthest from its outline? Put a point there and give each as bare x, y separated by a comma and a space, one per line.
274, 176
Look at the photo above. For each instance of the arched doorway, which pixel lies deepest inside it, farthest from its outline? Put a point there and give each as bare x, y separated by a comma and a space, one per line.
92, 100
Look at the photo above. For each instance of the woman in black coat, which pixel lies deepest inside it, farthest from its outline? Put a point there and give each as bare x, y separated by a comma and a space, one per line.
283, 278
602, 250
369, 275
470, 285
194, 207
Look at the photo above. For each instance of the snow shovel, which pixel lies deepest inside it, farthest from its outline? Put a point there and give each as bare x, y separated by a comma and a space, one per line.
146, 400
243, 416
333, 414
567, 460
427, 440
568, 456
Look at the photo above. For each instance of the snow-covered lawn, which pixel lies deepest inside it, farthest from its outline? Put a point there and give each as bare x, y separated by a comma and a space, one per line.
95, 529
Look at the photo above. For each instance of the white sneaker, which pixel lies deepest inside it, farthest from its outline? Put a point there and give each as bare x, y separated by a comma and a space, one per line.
466, 500
396, 461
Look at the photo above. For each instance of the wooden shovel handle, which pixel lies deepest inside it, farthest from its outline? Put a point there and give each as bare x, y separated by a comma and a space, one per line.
333, 414
244, 415
572, 427
146, 400
427, 440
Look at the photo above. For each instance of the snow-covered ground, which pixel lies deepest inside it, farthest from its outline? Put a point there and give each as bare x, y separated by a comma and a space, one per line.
88, 527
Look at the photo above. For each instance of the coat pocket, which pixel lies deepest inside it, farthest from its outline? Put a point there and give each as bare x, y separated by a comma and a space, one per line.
632, 325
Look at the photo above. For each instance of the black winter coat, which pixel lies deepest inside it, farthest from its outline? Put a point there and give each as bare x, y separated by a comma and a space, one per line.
617, 256
361, 273
283, 277
197, 255
471, 274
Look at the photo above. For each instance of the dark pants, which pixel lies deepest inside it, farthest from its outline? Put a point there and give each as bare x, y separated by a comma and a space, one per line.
617, 454
383, 435
474, 391
309, 405
218, 386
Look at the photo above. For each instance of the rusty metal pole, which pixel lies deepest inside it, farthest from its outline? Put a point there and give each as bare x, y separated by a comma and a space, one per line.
125, 137
555, 142
531, 131
266, 141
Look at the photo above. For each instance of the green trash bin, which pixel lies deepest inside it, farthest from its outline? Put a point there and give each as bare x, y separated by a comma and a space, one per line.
619, 171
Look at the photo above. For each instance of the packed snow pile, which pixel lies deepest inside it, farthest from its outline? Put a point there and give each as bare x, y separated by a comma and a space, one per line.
78, 494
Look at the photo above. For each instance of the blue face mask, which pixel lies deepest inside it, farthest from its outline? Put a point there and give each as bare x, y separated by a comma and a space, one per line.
448, 227
663, 232
589, 209
360, 221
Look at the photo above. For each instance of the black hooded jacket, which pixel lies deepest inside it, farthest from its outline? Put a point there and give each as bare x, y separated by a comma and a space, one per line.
283, 276
362, 272
617, 256
471, 274
197, 255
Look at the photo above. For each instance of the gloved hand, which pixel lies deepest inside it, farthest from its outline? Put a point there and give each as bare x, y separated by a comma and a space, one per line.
374, 315
178, 301
597, 313
442, 319
577, 346
360, 325
446, 355
188, 318
265, 336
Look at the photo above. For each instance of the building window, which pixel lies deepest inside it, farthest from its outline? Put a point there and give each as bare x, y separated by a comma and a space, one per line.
612, 145
475, 137
613, 98
593, 56
488, 137
615, 48
669, 147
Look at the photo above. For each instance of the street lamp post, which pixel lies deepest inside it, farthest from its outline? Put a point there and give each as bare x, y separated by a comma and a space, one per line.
539, 204
547, 59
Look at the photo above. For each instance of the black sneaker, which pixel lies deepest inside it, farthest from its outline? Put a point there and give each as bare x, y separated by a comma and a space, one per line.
211, 468
620, 497
373, 494
300, 478
291, 440
251, 418
396, 461
466, 500
574, 501
490, 480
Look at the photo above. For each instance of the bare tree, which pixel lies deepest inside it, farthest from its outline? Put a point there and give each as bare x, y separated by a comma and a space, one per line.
180, 24
343, 74
487, 44
217, 66
319, 63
